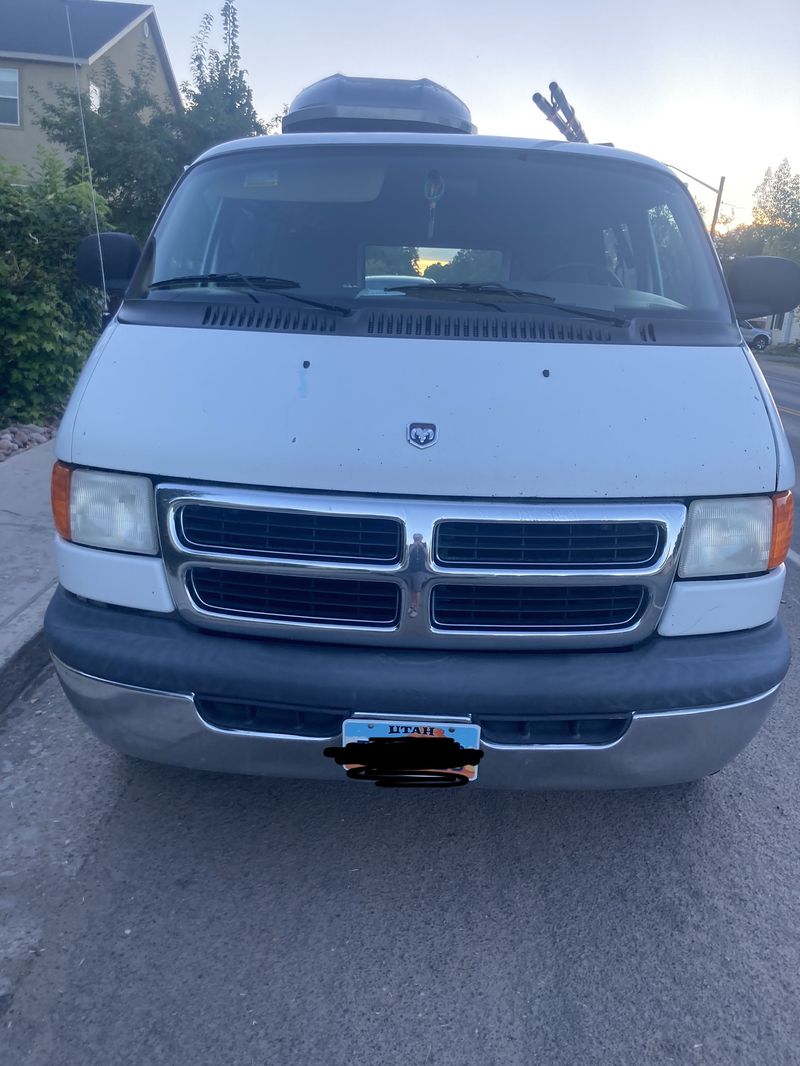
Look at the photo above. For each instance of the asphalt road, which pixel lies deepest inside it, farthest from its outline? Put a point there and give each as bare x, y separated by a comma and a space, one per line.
157, 916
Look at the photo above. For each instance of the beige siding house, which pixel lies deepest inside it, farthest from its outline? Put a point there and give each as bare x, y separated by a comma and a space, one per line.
785, 328
36, 53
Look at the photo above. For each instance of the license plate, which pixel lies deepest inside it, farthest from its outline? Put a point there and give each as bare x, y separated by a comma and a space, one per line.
411, 751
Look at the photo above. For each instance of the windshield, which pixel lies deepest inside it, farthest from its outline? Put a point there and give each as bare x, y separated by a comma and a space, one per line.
360, 225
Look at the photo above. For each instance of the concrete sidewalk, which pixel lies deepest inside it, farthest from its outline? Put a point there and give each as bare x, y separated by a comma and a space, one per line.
27, 565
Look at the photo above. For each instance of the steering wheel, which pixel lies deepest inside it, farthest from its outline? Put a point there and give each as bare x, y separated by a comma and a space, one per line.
592, 272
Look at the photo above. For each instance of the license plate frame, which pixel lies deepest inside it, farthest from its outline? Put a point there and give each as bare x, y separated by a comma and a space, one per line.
372, 731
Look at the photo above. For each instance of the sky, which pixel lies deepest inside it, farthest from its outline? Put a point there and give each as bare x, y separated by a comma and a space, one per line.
710, 86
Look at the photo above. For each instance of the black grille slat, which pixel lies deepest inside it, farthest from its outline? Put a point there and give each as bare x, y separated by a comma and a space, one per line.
546, 544
270, 717
324, 723
554, 730
339, 538
471, 607
288, 598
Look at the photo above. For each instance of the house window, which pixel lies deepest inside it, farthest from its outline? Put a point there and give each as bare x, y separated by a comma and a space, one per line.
777, 321
94, 96
9, 96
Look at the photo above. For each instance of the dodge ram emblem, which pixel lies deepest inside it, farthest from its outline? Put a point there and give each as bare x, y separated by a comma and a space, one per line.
422, 434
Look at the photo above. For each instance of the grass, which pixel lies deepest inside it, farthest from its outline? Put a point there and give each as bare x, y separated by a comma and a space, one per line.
781, 353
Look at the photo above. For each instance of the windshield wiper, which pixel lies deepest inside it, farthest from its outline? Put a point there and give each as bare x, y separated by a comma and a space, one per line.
231, 278
262, 282
491, 288
448, 289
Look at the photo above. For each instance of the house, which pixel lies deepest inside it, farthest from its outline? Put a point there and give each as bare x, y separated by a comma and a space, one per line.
36, 52
786, 327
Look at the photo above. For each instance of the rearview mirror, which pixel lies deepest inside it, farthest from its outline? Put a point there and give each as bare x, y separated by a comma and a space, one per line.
120, 254
763, 285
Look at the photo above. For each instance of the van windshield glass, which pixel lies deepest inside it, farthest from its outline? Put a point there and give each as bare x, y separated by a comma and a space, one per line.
360, 225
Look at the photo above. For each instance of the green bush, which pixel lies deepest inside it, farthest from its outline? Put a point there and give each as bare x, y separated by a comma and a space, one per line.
48, 319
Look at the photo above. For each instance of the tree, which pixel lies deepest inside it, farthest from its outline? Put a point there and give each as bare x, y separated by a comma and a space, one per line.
777, 198
48, 319
219, 100
392, 260
467, 265
138, 145
739, 241
775, 229
777, 211
135, 144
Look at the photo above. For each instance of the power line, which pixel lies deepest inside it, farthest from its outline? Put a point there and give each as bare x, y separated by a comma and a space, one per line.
86, 152
715, 189
686, 174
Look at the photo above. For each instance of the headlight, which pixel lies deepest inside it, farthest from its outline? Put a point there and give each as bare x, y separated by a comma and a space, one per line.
105, 510
736, 536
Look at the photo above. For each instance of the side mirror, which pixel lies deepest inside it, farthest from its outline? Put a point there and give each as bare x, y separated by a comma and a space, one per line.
120, 254
763, 285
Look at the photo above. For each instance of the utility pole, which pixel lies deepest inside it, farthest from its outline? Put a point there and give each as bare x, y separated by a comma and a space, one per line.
717, 206
712, 188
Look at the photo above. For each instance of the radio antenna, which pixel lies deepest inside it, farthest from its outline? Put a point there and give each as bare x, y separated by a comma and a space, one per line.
86, 153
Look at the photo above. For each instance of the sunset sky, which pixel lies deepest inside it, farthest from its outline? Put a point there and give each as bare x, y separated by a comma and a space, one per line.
710, 86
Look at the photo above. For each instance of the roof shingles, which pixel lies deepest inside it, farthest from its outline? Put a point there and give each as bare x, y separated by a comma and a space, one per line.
39, 27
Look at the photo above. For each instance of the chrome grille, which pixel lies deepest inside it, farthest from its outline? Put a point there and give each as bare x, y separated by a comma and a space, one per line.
293, 534
546, 545
393, 572
295, 599
538, 608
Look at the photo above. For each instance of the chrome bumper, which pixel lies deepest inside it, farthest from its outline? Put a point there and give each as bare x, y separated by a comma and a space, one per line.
660, 748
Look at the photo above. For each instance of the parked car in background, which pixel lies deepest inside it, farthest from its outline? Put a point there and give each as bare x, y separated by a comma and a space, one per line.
756, 337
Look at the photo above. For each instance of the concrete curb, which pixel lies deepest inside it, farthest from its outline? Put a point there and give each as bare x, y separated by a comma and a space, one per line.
27, 566
30, 654
22, 668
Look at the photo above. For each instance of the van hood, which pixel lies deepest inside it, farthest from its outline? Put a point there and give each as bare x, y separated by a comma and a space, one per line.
569, 421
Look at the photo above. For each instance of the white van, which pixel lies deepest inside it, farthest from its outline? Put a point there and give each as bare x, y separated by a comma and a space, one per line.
536, 512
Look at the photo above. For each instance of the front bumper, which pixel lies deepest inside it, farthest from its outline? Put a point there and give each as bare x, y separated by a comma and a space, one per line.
693, 702
661, 748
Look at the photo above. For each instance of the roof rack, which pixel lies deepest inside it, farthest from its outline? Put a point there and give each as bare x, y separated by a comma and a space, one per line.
561, 113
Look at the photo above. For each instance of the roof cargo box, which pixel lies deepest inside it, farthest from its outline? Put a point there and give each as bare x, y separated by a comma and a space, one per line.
342, 104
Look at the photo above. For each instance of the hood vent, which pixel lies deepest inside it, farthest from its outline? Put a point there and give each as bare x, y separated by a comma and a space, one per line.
482, 327
272, 319
424, 324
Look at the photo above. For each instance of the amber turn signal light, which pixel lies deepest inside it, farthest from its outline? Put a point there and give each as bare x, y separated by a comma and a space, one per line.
59, 498
782, 526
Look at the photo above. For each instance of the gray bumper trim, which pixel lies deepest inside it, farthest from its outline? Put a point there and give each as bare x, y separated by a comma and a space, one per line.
660, 748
